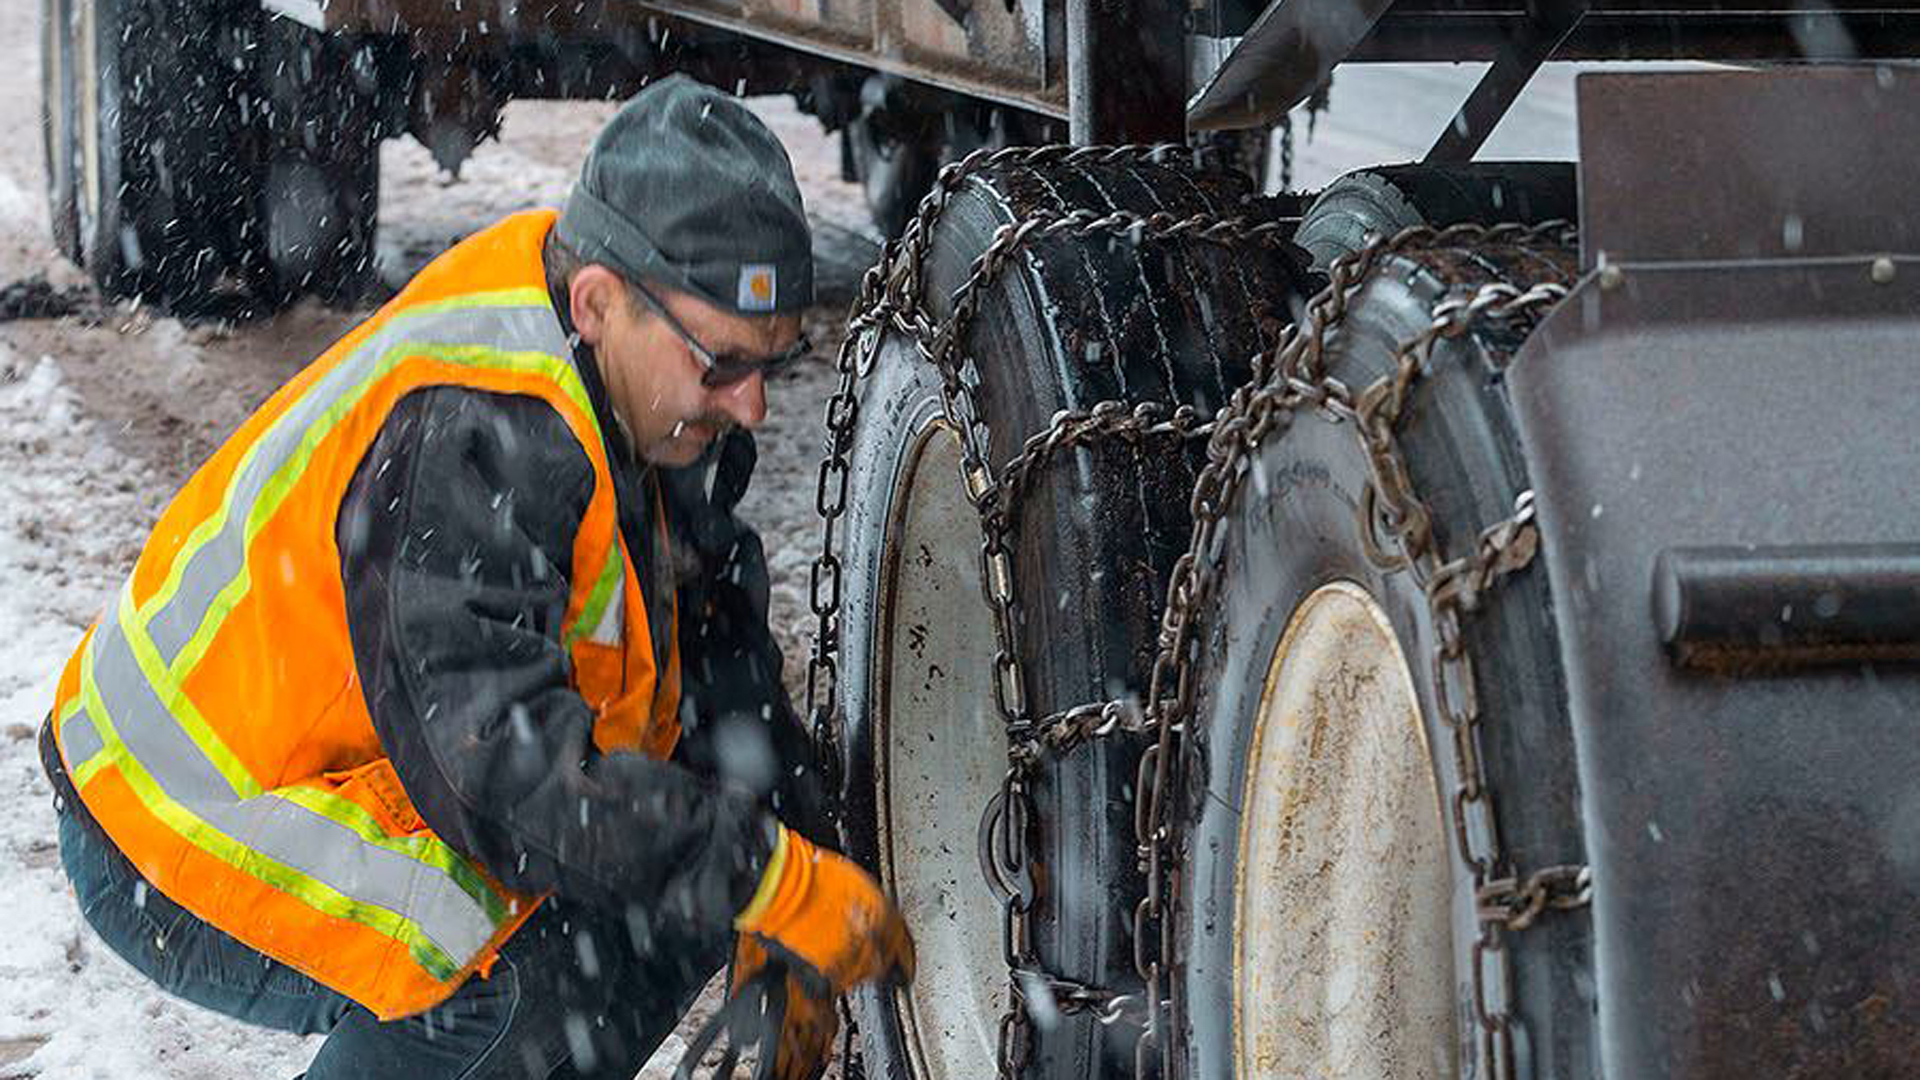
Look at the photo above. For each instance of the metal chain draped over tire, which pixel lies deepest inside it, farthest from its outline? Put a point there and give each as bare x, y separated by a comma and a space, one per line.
1287, 380
1292, 381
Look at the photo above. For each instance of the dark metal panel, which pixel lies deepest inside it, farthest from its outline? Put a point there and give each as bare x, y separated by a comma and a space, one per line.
1010, 56
1749, 164
1287, 52
1126, 71
1295, 43
1755, 842
1766, 30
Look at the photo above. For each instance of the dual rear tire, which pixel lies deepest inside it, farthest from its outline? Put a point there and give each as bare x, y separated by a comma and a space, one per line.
1329, 919
1322, 919
1069, 323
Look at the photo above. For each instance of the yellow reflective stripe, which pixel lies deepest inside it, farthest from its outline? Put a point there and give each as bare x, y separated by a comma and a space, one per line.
79, 771
518, 296
288, 476
211, 527
205, 837
92, 765
165, 683
431, 852
610, 578
273, 495
428, 850
83, 772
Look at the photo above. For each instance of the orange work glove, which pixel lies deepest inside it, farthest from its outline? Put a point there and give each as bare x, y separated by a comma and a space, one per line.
809, 1025
829, 914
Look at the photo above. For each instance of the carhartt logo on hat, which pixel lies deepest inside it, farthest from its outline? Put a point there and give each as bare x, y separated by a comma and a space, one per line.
758, 291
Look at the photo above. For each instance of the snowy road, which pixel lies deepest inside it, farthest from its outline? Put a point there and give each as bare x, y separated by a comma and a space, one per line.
103, 415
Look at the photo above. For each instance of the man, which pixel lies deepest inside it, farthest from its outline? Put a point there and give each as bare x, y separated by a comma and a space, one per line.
439, 712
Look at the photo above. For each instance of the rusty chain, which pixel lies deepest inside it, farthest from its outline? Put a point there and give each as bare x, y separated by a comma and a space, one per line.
1290, 379
893, 297
1293, 380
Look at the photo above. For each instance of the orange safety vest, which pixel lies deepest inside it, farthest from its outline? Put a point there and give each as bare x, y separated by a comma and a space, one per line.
212, 719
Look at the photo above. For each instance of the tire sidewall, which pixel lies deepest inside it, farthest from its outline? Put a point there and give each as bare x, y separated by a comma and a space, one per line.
1292, 539
98, 121
897, 405
1294, 527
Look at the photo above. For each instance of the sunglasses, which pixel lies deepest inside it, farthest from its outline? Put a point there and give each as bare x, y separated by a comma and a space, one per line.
725, 369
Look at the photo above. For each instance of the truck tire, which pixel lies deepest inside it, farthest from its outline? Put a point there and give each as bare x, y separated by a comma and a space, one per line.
1325, 920
171, 174
318, 203
894, 173
1071, 322
1385, 200
159, 138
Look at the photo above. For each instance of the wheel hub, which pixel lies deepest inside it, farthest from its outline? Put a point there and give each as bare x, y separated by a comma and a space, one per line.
943, 753
1343, 954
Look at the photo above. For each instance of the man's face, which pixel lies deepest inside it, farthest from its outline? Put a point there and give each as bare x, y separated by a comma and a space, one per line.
654, 379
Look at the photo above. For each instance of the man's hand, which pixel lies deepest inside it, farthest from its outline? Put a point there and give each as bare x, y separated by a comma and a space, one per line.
808, 1028
821, 909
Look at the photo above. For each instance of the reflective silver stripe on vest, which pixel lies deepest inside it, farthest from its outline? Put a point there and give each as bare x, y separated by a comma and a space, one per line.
612, 628
283, 831
79, 740
218, 562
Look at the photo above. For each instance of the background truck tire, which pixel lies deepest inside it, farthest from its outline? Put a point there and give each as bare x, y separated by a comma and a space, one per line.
1072, 322
1385, 200
318, 203
1327, 919
157, 136
205, 156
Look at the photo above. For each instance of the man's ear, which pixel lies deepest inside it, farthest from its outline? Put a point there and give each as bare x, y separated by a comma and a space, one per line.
593, 296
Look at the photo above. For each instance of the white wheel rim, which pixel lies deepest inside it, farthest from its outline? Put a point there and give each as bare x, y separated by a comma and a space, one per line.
943, 751
1343, 952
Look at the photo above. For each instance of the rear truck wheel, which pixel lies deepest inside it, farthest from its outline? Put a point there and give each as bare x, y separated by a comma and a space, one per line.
1082, 315
319, 200
193, 182
900, 135
161, 134
1385, 200
1328, 912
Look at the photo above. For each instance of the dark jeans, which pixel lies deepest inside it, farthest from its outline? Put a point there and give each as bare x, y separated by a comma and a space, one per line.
576, 993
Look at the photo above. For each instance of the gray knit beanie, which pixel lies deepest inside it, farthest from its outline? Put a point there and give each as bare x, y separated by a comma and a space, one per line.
685, 186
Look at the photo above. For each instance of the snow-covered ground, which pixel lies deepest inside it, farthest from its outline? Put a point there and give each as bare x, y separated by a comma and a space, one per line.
101, 417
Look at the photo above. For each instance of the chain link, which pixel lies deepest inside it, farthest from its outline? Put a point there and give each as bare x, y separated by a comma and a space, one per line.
1289, 380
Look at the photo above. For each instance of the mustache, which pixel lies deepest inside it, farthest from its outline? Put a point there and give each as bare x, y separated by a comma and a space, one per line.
719, 423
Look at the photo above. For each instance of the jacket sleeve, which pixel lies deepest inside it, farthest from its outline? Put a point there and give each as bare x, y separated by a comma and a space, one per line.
456, 539
737, 720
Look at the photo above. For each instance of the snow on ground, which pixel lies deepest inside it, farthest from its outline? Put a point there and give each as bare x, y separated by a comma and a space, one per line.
72, 515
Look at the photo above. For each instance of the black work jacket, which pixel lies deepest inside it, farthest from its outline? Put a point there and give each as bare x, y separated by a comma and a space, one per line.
455, 536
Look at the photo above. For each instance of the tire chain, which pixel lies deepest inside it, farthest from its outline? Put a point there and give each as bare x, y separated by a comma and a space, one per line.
1290, 381
892, 297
